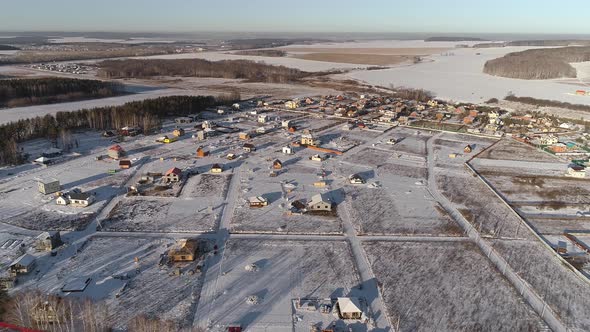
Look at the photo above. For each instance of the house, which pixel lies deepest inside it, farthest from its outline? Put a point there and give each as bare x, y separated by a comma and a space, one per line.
80, 199
201, 152
549, 140
287, 149
244, 136
576, 171
292, 104
277, 164
116, 152
183, 119
248, 147
286, 123
48, 187
320, 202
216, 168
178, 132
48, 241
184, 250
349, 308
231, 156
468, 149
257, 202
62, 200
356, 179
51, 153
172, 175
124, 164
317, 157
22, 265
307, 138
263, 118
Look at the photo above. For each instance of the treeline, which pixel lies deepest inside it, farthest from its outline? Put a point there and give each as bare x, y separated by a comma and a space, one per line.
268, 53
452, 39
146, 114
549, 42
22, 92
232, 69
538, 64
419, 95
8, 48
547, 103
35, 310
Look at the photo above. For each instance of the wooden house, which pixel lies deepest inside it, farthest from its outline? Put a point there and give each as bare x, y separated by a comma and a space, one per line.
320, 202
48, 241
124, 164
468, 149
184, 250
248, 147
201, 152
22, 265
257, 202
172, 175
277, 164
349, 308
216, 168
244, 136
115, 152
178, 132
48, 186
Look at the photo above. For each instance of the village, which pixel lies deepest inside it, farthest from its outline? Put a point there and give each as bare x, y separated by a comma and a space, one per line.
322, 213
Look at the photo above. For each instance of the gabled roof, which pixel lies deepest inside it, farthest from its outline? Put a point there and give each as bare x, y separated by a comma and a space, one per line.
24, 260
174, 170
320, 198
349, 305
116, 147
216, 166
80, 196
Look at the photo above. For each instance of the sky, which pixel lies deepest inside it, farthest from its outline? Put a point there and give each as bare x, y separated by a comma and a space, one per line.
430, 16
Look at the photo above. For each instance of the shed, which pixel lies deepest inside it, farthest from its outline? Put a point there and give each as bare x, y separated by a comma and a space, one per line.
244, 136
184, 250
248, 147
277, 164
257, 202
48, 186
349, 308
216, 168
48, 241
201, 152
125, 164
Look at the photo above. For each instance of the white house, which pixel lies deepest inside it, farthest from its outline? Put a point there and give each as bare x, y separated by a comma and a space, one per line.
356, 179
285, 123
287, 149
349, 308
62, 200
263, 118
81, 199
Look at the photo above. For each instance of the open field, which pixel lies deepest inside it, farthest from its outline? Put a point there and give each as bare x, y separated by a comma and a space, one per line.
365, 59
285, 270
448, 287
509, 149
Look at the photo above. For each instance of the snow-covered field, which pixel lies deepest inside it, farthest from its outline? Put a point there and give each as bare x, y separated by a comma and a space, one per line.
284, 270
460, 77
446, 286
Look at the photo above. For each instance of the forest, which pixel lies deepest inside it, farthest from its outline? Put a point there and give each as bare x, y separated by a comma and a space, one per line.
268, 53
538, 64
146, 114
36, 91
8, 48
231, 69
548, 103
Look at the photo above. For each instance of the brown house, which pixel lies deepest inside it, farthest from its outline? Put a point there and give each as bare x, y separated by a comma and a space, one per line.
201, 152
277, 164
124, 164
183, 251
468, 149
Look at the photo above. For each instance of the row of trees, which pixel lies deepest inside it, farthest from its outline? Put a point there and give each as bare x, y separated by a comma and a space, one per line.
231, 69
36, 310
21, 92
146, 114
538, 64
269, 53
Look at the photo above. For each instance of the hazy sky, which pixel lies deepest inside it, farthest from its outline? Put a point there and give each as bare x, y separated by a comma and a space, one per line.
475, 16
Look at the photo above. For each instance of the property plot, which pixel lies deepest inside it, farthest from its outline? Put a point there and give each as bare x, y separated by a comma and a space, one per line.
162, 215
448, 287
369, 157
259, 280
509, 149
565, 292
405, 211
124, 272
207, 185
399, 169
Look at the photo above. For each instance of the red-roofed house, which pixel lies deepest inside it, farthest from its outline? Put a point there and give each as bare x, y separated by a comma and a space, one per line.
116, 151
173, 175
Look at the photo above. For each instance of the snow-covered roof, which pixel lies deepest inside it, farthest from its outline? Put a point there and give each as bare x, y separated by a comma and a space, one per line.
349, 305
24, 260
319, 198
257, 199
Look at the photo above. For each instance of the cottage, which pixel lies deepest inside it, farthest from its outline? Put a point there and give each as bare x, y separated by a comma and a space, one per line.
248, 147
307, 138
62, 200
216, 168
22, 265
184, 250
201, 153
356, 179
178, 132
230, 156
80, 199
287, 149
349, 308
320, 202
48, 241
277, 164
263, 118
172, 175
257, 202
468, 149
125, 164
116, 152
48, 187
244, 136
